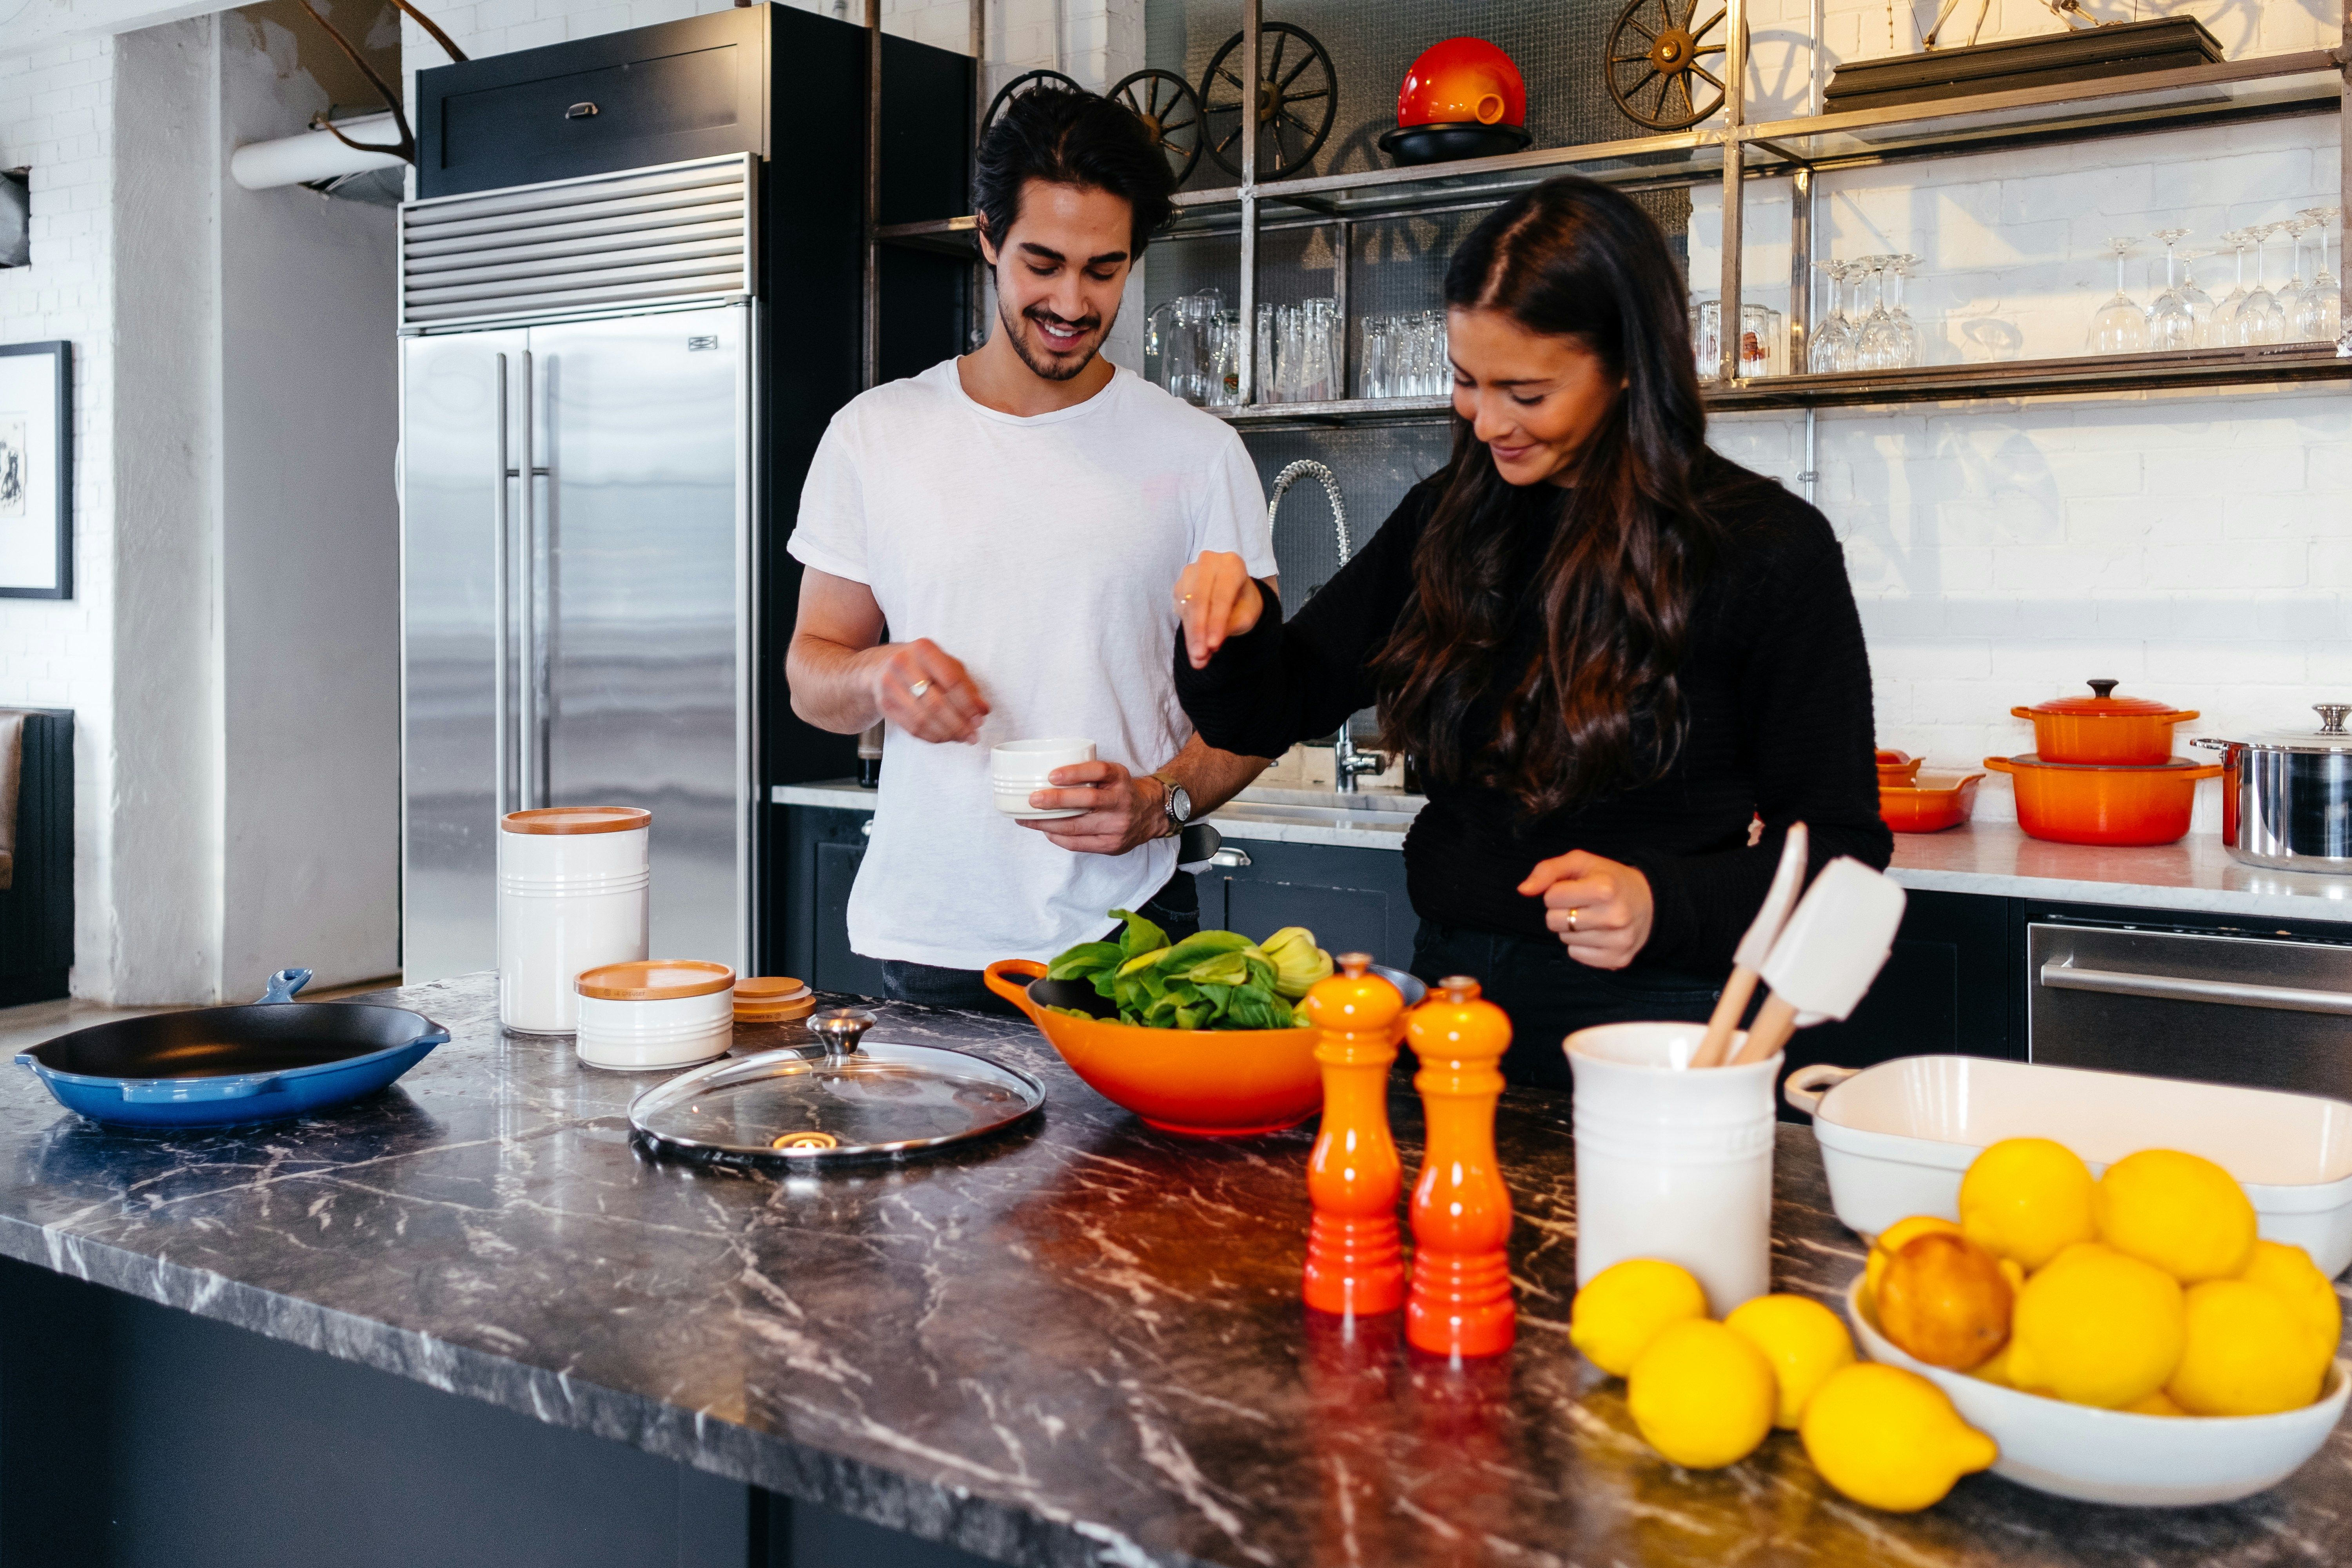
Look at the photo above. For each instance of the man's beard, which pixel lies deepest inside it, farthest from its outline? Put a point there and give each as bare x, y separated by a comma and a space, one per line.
1050, 370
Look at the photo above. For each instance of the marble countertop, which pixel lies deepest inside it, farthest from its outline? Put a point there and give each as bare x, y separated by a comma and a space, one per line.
2195, 876
1081, 1343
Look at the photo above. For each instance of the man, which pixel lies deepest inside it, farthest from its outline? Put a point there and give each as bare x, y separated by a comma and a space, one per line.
1013, 518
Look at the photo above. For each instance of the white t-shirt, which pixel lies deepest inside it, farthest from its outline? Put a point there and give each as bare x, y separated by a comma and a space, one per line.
1043, 552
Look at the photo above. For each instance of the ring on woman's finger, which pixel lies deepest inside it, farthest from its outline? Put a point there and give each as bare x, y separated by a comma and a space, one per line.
1182, 599
1572, 922
916, 690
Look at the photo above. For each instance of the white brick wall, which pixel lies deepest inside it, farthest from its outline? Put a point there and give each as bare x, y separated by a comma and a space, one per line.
55, 117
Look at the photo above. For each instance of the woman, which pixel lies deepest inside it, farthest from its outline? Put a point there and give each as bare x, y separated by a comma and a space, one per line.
1610, 650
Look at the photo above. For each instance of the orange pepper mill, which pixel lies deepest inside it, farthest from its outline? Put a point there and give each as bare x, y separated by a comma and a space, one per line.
1461, 1299
1355, 1256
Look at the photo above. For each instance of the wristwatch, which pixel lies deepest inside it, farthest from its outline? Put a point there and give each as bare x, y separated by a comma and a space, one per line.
1178, 804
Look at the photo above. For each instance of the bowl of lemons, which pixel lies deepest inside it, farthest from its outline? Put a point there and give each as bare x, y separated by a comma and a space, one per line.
2127, 1339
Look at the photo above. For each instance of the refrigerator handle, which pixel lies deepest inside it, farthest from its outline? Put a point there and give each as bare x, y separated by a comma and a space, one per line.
501, 632
533, 771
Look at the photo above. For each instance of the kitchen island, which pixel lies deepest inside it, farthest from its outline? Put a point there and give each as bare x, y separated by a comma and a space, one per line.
1079, 1344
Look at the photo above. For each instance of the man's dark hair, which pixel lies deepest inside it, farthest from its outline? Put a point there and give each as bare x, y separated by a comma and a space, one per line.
1065, 137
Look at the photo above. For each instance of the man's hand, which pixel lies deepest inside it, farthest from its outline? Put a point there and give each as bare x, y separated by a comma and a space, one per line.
1600, 909
921, 689
1121, 809
1216, 598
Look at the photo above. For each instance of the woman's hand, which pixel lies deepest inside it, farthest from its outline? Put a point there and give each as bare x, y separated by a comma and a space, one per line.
1217, 599
1600, 909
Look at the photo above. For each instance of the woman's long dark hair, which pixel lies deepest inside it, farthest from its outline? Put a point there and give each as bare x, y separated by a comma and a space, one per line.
1613, 563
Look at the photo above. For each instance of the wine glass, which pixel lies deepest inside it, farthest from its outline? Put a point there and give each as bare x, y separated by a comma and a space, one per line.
1869, 310
1899, 342
2325, 281
2201, 304
2171, 324
2259, 318
2295, 303
1832, 345
2119, 327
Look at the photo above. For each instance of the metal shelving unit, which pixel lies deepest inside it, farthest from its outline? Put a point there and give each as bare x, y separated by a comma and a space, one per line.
1736, 153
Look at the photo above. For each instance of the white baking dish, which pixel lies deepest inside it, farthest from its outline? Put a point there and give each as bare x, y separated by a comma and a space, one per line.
1896, 1138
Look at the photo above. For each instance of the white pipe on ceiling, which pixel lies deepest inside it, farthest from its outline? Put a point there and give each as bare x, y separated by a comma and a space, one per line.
314, 155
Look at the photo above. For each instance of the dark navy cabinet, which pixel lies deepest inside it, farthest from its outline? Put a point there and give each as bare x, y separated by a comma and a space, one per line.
1352, 899
36, 907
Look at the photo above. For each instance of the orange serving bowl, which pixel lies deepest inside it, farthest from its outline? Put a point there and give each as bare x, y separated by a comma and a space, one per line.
1928, 803
1202, 1083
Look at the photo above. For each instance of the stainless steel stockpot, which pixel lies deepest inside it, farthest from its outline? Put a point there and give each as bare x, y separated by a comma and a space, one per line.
2287, 797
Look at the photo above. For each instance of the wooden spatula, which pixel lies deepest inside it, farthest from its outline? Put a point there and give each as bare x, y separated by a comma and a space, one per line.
1754, 948
1831, 949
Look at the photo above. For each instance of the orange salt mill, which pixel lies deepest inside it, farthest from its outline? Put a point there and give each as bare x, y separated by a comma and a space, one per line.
1355, 1260
1461, 1299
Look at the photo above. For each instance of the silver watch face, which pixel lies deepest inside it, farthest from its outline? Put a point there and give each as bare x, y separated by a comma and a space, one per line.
1180, 805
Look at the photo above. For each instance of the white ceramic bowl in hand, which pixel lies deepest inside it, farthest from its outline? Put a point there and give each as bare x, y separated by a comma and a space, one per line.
1018, 769
2111, 1456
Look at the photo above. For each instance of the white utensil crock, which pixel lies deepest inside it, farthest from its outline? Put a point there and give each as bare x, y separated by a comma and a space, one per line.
573, 890
667, 1013
1671, 1162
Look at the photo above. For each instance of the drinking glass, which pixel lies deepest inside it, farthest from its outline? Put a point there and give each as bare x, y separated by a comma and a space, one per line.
2199, 303
2330, 290
2298, 299
2223, 330
1226, 359
1707, 338
1756, 325
1315, 381
2119, 327
2171, 324
1905, 341
2259, 320
1372, 359
1439, 371
1880, 344
1832, 345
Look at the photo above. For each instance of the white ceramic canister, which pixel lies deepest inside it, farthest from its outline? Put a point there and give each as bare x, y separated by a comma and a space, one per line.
1672, 1162
1018, 769
573, 890
665, 1013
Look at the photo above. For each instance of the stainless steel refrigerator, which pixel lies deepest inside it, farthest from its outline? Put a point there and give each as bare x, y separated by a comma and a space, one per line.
577, 480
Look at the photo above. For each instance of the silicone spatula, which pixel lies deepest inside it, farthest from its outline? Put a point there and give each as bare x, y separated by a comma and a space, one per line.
1831, 949
1749, 957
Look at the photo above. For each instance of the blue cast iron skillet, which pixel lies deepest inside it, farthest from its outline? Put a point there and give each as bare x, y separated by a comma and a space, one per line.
211, 1067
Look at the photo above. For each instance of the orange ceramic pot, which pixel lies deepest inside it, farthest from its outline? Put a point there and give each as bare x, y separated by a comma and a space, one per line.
1202, 1083
1929, 803
2070, 804
1462, 81
2104, 730
1897, 767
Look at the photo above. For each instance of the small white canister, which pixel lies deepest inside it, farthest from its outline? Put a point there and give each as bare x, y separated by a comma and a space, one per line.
574, 887
1672, 1162
668, 1012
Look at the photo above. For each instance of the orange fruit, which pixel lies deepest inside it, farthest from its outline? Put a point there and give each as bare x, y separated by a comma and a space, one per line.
1946, 1300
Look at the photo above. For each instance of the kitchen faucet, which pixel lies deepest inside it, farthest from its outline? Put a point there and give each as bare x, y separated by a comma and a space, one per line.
1348, 764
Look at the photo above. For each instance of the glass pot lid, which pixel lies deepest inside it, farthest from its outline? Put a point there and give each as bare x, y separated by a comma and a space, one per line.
2102, 704
848, 1097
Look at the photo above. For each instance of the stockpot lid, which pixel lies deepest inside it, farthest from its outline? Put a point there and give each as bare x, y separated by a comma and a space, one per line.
2101, 704
2328, 736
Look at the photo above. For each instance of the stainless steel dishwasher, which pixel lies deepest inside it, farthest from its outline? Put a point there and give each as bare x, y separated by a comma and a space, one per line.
2228, 1009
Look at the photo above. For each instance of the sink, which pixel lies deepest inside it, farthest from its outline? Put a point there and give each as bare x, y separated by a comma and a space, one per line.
1323, 816
1385, 802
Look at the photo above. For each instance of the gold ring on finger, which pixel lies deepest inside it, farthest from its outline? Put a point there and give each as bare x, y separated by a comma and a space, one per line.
1572, 922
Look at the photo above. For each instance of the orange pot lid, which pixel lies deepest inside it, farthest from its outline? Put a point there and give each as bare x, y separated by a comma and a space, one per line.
770, 988
576, 819
2100, 705
654, 980
2033, 760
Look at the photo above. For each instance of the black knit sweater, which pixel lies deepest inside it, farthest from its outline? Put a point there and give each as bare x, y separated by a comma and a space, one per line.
1776, 692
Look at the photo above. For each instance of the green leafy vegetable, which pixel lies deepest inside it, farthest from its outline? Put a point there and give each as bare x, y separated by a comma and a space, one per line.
1212, 980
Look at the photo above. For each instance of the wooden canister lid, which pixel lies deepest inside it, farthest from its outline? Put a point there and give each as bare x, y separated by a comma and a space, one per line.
576, 819
654, 980
772, 999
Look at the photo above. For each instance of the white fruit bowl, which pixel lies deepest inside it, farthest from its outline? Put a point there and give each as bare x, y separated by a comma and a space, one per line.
1896, 1138
2109, 1456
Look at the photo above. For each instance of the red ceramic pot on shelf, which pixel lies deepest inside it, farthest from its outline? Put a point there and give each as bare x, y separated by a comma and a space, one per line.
2104, 729
2070, 803
1462, 98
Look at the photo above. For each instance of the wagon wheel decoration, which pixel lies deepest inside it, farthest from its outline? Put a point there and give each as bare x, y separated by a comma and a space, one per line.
1026, 81
1654, 53
1297, 99
1170, 112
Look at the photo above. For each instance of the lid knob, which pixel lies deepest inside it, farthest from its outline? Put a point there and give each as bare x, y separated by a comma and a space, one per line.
840, 1028
2331, 716
2101, 690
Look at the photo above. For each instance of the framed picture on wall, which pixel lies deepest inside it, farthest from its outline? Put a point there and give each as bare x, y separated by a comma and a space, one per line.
37, 470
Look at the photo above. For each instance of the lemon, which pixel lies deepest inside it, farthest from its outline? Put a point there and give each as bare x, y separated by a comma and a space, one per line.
1701, 1394
2095, 1327
1996, 1370
2183, 1214
1803, 1340
2246, 1352
2027, 1199
1890, 1242
2289, 1271
2156, 1404
1889, 1438
1615, 1316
